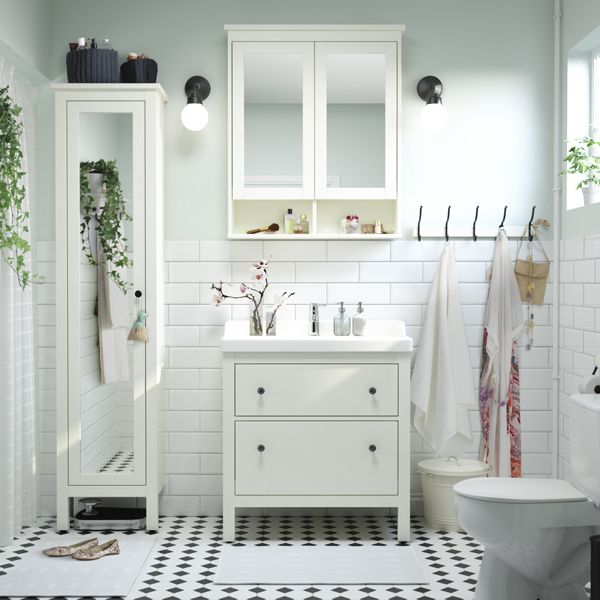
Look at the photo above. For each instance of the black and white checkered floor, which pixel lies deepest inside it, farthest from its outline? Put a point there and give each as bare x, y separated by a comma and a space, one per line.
182, 565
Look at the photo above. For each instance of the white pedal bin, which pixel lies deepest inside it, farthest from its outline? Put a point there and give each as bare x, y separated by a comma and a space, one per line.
438, 476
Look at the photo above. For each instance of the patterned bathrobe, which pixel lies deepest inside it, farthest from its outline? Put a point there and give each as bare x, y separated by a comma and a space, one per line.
499, 403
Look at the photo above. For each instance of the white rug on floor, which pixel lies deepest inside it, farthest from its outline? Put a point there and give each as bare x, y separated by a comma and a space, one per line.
39, 575
353, 565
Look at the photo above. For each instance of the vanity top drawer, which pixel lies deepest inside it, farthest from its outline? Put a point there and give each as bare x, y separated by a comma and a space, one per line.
325, 389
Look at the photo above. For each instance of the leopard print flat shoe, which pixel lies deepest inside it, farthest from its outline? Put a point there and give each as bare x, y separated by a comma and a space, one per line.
96, 552
70, 550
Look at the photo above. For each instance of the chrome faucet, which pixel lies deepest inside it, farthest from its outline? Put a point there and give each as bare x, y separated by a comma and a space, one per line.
313, 319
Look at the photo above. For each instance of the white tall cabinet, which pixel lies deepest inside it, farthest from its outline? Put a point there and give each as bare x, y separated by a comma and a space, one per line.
108, 438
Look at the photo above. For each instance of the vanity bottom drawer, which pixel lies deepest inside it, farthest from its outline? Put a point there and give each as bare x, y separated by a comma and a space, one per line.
316, 458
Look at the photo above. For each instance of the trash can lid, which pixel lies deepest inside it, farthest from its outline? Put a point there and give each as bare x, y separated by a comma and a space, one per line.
452, 467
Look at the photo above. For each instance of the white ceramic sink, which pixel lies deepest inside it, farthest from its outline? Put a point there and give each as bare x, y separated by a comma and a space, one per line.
292, 336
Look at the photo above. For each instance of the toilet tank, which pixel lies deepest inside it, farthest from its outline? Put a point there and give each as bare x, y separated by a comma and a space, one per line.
585, 444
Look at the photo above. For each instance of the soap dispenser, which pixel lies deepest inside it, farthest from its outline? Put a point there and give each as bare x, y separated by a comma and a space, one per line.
359, 321
341, 322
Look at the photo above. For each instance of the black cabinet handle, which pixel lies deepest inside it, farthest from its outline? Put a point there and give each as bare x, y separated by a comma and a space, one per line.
260, 448
260, 391
372, 447
372, 391
138, 293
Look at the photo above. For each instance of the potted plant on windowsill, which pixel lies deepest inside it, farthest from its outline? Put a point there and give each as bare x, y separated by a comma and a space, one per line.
583, 159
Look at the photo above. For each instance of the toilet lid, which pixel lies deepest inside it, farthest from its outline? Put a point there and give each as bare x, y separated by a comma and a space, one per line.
506, 489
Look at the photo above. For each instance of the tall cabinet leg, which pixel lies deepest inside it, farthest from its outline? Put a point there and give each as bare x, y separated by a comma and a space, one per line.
63, 521
152, 512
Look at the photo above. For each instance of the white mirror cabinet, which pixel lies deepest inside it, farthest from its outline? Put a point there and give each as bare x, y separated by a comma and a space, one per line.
314, 117
109, 190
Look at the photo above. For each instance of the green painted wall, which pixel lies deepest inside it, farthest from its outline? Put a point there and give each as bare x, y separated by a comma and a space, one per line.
25, 29
495, 59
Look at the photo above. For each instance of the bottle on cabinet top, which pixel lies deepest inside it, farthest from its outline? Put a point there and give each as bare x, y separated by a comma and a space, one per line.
359, 321
341, 322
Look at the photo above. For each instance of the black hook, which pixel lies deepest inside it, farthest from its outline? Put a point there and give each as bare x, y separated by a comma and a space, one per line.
530, 222
447, 219
503, 217
475, 223
419, 224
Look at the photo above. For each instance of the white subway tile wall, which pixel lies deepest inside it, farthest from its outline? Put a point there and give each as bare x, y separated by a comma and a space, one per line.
392, 278
579, 328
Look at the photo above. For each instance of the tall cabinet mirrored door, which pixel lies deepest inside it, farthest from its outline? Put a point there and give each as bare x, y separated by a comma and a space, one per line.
109, 210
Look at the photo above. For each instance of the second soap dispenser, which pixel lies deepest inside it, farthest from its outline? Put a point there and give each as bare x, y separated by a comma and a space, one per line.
359, 321
341, 322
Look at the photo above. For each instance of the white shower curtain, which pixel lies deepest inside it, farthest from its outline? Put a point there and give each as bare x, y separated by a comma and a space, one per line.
18, 489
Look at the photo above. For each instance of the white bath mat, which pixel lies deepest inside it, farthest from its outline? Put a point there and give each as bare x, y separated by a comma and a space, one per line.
289, 565
39, 575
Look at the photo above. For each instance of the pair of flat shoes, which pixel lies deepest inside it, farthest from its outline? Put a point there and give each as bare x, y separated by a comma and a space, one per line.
86, 550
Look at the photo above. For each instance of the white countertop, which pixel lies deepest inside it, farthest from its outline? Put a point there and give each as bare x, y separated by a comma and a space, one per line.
292, 336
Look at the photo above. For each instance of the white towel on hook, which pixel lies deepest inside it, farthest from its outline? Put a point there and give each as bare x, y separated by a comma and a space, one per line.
118, 302
114, 355
442, 387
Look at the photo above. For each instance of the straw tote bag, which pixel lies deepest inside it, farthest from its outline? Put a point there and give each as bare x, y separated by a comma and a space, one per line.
532, 276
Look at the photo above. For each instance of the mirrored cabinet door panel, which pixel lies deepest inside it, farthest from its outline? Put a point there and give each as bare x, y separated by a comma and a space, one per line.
106, 223
356, 120
272, 119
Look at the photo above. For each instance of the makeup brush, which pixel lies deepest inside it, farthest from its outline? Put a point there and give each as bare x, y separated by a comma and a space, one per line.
273, 227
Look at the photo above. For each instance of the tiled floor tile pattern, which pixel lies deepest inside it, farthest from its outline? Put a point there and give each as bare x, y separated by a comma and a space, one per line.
182, 565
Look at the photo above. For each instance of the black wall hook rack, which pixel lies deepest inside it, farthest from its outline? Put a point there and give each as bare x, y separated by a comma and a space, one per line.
503, 218
447, 219
475, 223
530, 224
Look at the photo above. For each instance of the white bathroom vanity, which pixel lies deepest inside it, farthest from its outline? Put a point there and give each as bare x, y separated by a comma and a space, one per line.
316, 421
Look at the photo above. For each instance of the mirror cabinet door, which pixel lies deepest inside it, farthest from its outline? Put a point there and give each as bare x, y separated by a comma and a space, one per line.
273, 123
106, 240
356, 120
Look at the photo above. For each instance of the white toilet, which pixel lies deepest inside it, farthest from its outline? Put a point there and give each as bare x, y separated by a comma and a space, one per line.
536, 531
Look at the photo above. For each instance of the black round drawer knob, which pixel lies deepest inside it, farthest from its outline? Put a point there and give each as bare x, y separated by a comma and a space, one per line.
372, 447
260, 391
260, 448
372, 391
138, 293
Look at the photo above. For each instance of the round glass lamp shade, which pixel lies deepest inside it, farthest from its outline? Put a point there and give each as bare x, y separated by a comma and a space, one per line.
194, 116
434, 116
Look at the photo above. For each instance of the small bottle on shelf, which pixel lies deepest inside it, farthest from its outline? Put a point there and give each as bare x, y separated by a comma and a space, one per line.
289, 221
106, 44
305, 224
81, 43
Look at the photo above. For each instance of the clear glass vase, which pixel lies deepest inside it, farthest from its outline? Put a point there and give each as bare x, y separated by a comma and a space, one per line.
270, 322
255, 320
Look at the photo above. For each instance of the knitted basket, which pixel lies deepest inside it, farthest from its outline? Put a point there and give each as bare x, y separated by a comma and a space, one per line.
92, 65
140, 70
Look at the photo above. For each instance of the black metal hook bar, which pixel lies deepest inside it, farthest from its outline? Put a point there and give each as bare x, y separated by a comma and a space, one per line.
419, 224
447, 219
530, 223
475, 223
503, 218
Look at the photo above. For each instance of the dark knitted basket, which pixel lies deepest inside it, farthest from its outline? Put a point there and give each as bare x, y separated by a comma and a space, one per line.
92, 65
140, 70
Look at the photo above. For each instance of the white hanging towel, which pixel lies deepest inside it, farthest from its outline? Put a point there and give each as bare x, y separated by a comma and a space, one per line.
442, 382
112, 334
499, 383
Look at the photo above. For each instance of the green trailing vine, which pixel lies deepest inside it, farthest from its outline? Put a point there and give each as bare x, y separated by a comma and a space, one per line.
14, 219
107, 221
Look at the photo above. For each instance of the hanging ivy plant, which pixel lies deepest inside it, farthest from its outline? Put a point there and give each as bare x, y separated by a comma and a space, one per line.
107, 221
14, 219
